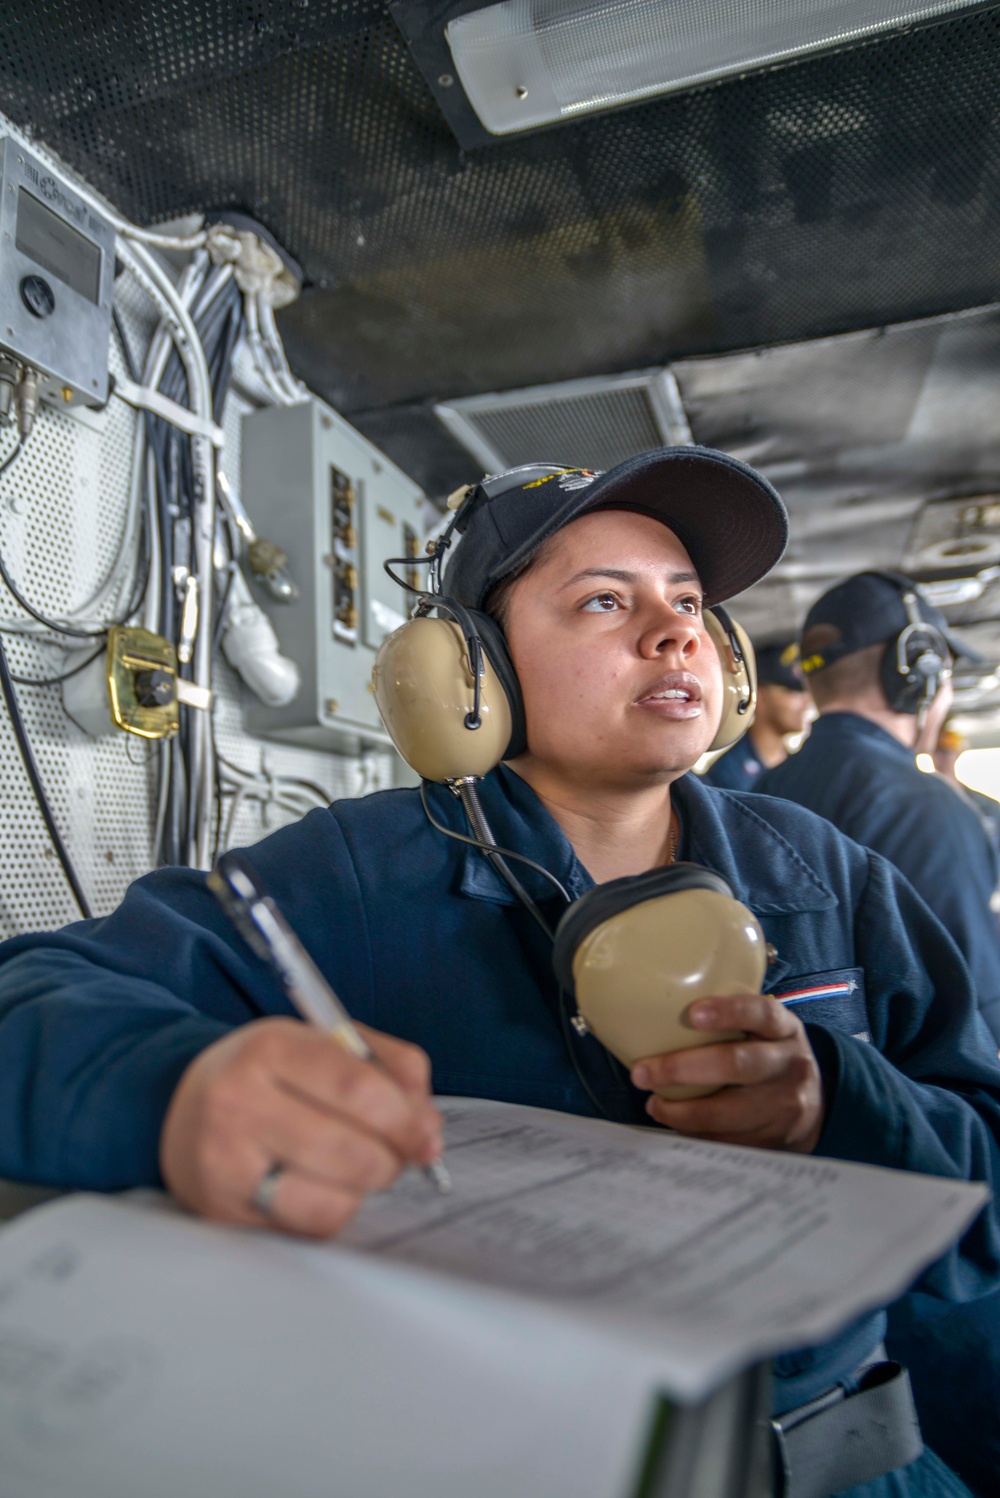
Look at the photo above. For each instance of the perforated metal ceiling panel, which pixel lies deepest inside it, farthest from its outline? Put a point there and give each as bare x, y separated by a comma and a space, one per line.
842, 192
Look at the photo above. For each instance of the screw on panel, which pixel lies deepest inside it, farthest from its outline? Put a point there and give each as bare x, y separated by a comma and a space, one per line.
331, 705
446, 80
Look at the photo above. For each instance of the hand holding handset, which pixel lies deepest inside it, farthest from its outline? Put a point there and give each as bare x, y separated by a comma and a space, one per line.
636, 953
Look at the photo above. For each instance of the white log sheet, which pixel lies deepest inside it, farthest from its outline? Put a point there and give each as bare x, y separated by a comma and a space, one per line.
506, 1339
723, 1253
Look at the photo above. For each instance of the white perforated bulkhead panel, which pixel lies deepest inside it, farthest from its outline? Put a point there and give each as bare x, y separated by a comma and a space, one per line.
63, 520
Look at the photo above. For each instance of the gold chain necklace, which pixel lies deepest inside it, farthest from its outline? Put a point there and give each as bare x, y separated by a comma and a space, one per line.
672, 838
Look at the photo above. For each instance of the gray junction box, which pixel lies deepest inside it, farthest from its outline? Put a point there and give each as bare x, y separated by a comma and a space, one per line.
57, 272
338, 508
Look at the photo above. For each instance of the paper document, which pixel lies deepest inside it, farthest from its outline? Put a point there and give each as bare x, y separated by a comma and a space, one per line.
508, 1339
716, 1254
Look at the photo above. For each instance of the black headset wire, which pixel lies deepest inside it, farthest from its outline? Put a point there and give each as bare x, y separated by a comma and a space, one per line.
12, 456
565, 1025
63, 629
53, 681
17, 723
497, 856
7, 683
56, 626
477, 820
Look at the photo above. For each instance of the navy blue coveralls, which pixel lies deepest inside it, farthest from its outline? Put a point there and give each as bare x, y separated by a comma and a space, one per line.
421, 938
865, 782
738, 769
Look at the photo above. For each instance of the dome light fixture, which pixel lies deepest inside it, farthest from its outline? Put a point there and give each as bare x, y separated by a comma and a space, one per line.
526, 64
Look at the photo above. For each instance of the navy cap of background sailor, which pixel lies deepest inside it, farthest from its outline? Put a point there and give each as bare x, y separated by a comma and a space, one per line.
868, 609
781, 665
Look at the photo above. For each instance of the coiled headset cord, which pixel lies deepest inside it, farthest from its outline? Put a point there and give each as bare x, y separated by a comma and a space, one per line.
487, 845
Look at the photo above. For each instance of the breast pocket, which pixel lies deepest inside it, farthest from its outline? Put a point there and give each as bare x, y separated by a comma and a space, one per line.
835, 999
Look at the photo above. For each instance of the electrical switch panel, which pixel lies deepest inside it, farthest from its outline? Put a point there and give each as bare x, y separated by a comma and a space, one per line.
57, 271
338, 508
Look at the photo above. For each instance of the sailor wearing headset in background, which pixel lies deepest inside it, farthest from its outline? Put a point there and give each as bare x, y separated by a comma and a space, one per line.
878, 661
877, 658
150, 1046
784, 707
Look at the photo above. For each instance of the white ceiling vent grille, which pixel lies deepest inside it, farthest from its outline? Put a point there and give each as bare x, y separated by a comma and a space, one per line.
582, 423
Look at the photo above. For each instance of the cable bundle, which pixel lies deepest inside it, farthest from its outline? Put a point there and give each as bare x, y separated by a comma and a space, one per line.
184, 522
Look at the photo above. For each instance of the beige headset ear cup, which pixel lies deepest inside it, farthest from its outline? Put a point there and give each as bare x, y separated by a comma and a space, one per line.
739, 683
632, 974
423, 686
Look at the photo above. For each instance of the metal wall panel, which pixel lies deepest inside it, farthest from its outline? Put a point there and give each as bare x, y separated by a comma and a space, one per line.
62, 516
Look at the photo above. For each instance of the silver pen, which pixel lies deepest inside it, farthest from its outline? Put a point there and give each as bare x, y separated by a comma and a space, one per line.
262, 925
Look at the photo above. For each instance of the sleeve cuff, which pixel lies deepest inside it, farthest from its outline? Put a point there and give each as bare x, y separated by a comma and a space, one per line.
114, 1141
861, 1106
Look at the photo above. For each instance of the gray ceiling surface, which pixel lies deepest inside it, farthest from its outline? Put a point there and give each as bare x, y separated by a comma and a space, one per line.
885, 445
741, 233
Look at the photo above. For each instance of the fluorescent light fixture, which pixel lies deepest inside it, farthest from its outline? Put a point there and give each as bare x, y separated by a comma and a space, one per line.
949, 591
524, 64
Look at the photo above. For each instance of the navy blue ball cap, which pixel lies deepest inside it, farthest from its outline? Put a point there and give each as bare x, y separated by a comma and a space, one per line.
868, 609
727, 516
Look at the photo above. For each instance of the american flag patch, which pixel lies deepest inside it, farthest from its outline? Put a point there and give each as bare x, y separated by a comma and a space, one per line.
836, 1000
820, 991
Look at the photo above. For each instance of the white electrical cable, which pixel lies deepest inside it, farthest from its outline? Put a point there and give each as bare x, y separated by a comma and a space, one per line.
182, 330
122, 226
108, 597
213, 284
239, 521
276, 349
270, 790
157, 354
259, 354
251, 646
142, 398
154, 589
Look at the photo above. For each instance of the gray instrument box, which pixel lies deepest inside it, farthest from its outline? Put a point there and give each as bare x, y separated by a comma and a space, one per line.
338, 508
57, 273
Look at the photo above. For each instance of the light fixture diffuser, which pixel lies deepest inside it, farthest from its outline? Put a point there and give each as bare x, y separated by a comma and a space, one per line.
524, 64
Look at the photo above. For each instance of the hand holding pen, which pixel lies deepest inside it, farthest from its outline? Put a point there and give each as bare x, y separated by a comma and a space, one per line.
265, 929
277, 1092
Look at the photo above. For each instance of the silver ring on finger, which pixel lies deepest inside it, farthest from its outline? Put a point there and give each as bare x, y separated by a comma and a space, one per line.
263, 1196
